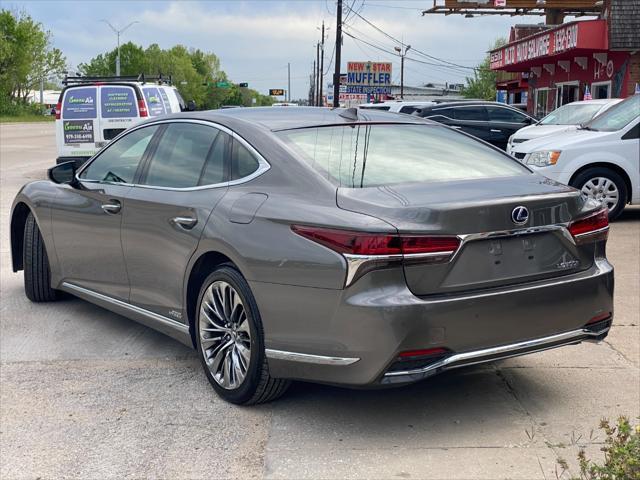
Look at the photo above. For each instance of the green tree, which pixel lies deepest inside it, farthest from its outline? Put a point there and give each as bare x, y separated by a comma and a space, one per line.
26, 56
483, 84
132, 62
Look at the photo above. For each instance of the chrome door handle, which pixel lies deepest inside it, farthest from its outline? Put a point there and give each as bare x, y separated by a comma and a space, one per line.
185, 222
113, 207
496, 131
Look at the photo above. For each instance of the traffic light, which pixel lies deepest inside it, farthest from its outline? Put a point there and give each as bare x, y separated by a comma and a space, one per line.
243, 85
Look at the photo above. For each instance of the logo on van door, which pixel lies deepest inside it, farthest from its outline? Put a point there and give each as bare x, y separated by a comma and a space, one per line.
78, 131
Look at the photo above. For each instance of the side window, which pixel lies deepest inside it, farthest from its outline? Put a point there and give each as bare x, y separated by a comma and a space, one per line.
154, 101
243, 163
500, 114
214, 170
632, 134
408, 109
118, 102
180, 156
445, 112
119, 161
478, 113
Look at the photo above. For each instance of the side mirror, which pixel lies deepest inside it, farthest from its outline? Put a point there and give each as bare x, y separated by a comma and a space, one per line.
191, 106
63, 173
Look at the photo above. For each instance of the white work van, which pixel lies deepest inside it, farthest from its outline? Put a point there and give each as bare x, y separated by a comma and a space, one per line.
91, 111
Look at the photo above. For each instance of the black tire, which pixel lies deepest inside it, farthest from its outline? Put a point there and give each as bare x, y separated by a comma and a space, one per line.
37, 274
580, 180
258, 386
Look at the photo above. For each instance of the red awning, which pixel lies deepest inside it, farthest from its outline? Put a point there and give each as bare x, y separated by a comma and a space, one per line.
561, 43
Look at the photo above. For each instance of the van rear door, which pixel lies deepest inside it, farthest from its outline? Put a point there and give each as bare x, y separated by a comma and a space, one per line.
78, 128
118, 111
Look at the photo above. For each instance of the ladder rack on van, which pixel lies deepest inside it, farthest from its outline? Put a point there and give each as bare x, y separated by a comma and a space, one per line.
141, 78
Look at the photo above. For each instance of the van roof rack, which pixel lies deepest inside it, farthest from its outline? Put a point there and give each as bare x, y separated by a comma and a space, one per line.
142, 78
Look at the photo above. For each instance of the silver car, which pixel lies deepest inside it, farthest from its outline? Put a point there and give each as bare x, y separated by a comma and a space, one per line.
357, 248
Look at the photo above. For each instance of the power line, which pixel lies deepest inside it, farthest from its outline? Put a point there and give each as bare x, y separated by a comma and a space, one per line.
414, 49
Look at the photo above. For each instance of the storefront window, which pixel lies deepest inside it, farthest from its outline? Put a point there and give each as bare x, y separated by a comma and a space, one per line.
568, 93
601, 90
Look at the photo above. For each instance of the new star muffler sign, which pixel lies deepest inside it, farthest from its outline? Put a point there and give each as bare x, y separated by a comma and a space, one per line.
368, 77
78, 131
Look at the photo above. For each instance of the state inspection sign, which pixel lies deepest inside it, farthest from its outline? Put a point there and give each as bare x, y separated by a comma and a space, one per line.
368, 77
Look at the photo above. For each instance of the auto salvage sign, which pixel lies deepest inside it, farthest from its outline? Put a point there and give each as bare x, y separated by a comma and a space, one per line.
78, 131
368, 77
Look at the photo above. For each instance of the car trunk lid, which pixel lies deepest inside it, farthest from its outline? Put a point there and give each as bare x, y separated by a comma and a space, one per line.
494, 250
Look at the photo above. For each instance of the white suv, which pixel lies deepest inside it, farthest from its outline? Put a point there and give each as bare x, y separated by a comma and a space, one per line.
602, 158
567, 117
91, 111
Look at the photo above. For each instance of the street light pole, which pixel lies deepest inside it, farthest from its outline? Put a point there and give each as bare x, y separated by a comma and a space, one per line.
403, 53
336, 74
118, 32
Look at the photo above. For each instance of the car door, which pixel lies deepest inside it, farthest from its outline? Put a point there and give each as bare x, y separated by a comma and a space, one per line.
183, 179
88, 215
473, 120
504, 122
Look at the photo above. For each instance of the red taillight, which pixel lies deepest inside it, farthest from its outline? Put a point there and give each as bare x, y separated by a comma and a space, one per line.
58, 110
363, 243
595, 223
428, 352
425, 244
143, 108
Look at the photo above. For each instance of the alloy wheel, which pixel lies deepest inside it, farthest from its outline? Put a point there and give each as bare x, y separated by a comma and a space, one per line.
225, 336
602, 190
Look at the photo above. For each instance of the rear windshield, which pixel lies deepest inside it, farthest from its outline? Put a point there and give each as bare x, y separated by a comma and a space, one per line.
79, 103
618, 116
368, 155
118, 102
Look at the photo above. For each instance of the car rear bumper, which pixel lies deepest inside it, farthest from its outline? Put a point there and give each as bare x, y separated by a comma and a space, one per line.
590, 333
354, 336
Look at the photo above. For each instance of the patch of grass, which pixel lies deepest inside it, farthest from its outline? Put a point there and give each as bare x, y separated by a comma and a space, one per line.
621, 454
27, 118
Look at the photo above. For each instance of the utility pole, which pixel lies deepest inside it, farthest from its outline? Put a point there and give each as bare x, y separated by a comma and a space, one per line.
313, 85
321, 67
318, 75
403, 52
336, 74
118, 32
288, 82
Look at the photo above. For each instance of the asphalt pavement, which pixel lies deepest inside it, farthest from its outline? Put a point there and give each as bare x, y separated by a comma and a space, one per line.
85, 393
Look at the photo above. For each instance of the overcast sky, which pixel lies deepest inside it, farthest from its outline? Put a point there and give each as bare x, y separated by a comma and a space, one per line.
255, 39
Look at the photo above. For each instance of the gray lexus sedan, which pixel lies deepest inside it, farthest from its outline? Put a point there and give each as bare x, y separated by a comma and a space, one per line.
339, 246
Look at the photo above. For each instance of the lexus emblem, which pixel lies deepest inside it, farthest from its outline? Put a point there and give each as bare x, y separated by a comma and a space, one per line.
520, 215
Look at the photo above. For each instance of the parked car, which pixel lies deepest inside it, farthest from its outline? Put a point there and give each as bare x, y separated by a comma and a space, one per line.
602, 158
396, 106
489, 121
92, 111
563, 119
339, 246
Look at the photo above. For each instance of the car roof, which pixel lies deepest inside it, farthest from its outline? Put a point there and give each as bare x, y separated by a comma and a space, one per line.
466, 103
597, 101
275, 119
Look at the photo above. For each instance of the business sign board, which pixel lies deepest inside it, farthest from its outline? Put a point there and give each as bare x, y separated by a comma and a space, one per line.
578, 35
276, 92
78, 131
368, 78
